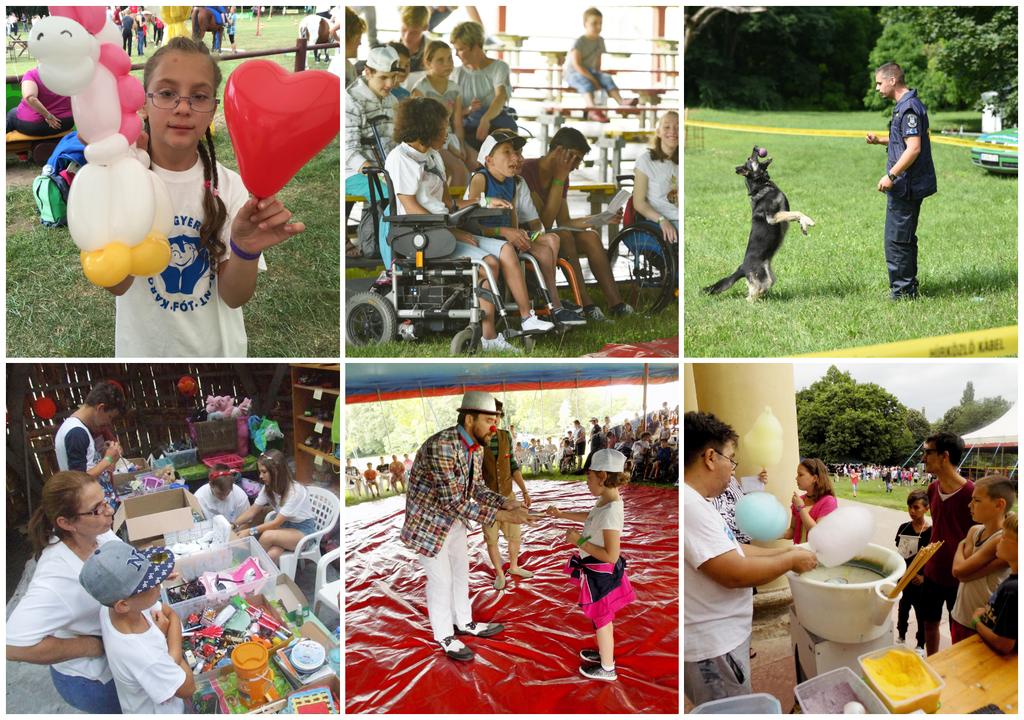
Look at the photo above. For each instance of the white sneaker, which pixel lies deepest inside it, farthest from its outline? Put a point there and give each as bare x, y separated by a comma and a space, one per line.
532, 323
499, 344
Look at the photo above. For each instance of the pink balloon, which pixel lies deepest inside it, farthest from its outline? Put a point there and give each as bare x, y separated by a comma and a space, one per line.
115, 59
91, 18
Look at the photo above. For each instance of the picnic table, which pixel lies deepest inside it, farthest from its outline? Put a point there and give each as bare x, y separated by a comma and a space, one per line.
976, 676
16, 47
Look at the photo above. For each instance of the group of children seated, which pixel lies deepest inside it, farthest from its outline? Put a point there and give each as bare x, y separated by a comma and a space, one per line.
449, 127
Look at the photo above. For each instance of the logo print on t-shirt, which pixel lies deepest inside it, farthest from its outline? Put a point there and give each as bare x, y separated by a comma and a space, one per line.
190, 263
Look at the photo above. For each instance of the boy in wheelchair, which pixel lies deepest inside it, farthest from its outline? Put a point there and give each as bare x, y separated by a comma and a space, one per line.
502, 159
417, 171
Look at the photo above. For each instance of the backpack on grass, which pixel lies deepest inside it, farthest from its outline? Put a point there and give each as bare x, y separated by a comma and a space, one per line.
50, 190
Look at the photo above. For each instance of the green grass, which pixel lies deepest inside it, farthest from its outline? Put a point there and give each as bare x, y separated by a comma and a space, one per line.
578, 341
873, 492
294, 312
832, 288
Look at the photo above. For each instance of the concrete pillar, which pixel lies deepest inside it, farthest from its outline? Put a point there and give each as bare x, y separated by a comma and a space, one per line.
737, 393
689, 391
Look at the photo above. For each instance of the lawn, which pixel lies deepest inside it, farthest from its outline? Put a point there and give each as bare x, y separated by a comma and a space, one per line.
832, 289
294, 312
873, 492
580, 340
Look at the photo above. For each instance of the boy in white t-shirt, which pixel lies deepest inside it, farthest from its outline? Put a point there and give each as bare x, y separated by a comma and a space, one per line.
717, 571
141, 637
220, 496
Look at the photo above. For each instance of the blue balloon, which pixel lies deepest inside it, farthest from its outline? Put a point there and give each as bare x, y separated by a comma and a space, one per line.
761, 516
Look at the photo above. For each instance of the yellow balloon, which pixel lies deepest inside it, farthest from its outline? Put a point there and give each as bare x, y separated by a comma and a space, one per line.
151, 256
176, 18
107, 266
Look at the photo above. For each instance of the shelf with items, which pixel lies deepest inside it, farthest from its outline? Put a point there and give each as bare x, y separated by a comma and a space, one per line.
315, 390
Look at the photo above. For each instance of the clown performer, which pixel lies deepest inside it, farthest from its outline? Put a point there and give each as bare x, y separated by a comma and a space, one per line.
446, 492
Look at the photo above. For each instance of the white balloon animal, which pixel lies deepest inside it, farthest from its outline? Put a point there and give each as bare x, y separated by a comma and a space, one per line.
119, 212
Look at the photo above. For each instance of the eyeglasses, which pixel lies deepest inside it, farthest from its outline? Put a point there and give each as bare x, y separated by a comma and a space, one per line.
734, 463
100, 509
168, 100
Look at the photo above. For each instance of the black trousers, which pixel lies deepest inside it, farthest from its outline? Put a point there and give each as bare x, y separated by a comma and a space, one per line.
901, 217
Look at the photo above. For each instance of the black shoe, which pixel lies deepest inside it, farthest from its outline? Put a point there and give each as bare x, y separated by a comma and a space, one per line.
562, 316
621, 310
455, 649
480, 629
594, 671
591, 656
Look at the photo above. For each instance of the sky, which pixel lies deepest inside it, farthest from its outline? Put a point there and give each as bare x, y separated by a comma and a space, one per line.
936, 387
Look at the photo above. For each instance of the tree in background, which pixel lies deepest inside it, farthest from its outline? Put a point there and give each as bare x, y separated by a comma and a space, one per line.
972, 414
951, 55
841, 420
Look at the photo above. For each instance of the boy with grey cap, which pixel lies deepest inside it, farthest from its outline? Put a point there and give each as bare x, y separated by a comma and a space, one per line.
141, 637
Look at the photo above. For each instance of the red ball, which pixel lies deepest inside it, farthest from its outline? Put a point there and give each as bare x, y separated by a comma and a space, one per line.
188, 386
44, 408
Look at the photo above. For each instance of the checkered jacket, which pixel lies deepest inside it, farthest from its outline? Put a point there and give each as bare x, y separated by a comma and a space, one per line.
361, 104
439, 493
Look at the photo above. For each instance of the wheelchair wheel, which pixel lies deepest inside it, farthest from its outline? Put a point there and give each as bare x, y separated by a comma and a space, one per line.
465, 342
645, 267
369, 319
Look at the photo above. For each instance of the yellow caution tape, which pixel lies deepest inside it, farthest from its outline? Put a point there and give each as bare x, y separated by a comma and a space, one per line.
940, 139
994, 342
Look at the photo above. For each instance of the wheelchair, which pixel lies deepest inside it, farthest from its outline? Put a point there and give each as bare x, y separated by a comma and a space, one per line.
644, 264
426, 291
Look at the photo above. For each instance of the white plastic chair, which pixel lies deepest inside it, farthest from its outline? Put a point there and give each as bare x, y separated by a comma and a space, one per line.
323, 591
326, 509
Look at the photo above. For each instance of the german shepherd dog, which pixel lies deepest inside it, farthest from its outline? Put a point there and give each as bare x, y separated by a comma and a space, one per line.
770, 218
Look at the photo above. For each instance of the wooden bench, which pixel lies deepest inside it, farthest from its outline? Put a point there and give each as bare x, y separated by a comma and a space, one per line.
39, 148
648, 96
561, 112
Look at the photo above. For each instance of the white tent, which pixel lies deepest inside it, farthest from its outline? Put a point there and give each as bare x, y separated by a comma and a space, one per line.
999, 433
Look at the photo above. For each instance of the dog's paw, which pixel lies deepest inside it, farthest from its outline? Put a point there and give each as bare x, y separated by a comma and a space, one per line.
805, 222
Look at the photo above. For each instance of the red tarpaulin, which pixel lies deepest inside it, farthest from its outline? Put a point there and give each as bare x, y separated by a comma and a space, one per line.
393, 664
665, 348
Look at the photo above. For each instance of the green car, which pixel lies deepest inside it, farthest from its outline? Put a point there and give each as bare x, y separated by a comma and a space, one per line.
1000, 156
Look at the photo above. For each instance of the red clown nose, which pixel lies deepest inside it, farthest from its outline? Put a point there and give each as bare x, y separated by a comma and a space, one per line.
494, 428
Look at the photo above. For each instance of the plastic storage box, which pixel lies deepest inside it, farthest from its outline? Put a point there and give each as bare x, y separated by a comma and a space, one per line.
225, 557
926, 701
819, 694
756, 704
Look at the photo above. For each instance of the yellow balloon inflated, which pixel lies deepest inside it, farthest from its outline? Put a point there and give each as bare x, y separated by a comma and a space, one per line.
107, 266
762, 446
151, 256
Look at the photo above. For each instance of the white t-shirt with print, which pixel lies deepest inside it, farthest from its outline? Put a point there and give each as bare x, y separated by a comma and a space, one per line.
145, 674
296, 506
716, 619
56, 604
662, 177
419, 174
236, 503
180, 313
610, 516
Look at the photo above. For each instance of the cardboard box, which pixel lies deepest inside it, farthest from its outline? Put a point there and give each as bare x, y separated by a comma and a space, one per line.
122, 481
145, 519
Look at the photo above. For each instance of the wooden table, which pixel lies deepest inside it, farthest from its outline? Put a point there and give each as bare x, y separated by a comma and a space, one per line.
971, 663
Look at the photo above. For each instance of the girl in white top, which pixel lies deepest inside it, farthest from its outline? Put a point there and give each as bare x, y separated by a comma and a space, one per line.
656, 185
295, 517
194, 307
458, 156
220, 496
57, 623
599, 568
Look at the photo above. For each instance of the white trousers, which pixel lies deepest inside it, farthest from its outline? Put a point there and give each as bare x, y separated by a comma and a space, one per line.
448, 584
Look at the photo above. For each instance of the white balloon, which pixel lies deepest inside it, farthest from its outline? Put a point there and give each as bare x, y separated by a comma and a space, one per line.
841, 535
67, 54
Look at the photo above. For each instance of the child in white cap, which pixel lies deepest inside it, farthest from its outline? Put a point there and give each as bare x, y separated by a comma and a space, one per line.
141, 636
368, 98
598, 568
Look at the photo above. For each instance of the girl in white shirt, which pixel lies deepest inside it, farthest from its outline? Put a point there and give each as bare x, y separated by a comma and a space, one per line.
656, 183
57, 623
221, 496
295, 517
194, 307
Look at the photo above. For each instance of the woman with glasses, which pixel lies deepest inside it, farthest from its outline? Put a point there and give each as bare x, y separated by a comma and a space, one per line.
57, 623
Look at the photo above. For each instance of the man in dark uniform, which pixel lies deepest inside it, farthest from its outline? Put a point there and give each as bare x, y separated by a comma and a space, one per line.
909, 178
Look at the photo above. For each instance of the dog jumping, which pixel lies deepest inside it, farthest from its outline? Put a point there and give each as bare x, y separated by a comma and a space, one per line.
769, 220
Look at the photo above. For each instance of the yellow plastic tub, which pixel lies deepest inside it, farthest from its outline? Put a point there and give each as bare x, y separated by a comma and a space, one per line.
902, 679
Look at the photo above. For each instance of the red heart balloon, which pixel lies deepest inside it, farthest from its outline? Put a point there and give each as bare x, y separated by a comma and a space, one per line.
279, 120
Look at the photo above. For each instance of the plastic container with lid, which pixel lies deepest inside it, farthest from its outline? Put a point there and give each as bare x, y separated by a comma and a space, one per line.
824, 694
926, 700
756, 704
308, 656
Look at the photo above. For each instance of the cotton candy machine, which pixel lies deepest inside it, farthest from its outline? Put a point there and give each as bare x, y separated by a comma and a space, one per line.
849, 603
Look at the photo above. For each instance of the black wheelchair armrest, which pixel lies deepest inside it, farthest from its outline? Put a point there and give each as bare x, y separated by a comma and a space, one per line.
417, 220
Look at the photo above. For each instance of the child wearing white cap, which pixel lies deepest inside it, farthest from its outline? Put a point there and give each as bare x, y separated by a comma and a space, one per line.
368, 98
598, 568
141, 637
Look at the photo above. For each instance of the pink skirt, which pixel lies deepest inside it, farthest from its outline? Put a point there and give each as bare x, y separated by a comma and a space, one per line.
591, 576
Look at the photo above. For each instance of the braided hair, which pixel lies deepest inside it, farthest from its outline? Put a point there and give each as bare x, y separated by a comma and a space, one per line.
215, 212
